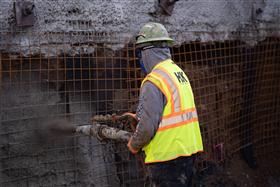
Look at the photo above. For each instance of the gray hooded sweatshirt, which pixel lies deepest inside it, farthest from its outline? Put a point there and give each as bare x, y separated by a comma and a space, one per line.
151, 100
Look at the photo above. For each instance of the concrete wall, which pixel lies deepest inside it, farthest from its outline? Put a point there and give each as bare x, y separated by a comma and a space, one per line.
191, 20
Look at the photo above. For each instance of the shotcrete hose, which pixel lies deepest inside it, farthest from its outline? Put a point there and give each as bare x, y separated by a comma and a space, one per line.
104, 132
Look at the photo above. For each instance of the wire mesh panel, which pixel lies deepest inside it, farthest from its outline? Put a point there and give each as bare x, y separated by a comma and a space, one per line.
236, 90
63, 85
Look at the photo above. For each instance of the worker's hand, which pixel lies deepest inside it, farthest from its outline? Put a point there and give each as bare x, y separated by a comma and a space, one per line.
131, 149
129, 119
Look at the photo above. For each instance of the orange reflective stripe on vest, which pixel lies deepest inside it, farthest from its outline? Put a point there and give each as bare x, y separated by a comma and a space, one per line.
170, 88
177, 96
177, 120
173, 89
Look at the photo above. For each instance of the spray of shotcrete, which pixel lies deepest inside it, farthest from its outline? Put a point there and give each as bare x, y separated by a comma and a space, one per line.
64, 128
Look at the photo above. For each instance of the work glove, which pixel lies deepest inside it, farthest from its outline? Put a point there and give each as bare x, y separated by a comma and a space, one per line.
131, 149
129, 119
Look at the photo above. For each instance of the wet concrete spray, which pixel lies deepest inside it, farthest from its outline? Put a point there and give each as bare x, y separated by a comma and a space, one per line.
34, 153
37, 145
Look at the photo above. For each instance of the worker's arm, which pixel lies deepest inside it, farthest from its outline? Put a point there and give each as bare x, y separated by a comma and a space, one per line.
149, 112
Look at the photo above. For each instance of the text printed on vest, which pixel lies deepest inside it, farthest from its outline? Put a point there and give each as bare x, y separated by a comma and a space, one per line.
180, 76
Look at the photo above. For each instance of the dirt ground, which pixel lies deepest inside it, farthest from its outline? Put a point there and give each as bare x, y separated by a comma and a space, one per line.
236, 173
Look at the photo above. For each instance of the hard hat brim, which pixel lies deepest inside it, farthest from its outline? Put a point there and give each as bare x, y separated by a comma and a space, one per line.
165, 39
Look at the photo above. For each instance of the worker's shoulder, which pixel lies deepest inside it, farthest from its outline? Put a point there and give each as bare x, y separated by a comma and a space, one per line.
148, 85
150, 88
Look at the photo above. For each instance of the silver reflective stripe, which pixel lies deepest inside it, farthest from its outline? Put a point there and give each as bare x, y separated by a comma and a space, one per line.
175, 92
178, 119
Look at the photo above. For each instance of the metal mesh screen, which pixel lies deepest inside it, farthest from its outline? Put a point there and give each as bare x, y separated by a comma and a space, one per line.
236, 89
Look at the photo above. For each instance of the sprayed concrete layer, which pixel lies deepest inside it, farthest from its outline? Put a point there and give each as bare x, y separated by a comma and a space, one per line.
34, 155
61, 24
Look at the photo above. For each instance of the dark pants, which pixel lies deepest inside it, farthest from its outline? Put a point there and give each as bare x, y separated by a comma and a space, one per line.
175, 173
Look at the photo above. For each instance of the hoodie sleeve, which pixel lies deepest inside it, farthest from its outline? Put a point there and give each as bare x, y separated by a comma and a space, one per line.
149, 112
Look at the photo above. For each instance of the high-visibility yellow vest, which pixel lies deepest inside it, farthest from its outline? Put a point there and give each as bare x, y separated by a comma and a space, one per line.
178, 133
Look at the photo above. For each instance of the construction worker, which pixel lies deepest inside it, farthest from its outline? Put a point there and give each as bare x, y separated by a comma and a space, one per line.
168, 129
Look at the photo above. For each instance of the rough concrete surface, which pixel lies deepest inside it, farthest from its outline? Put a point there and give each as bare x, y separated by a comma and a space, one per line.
31, 155
39, 93
117, 21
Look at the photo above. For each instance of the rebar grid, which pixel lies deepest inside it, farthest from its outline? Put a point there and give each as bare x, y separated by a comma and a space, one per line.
236, 89
236, 93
